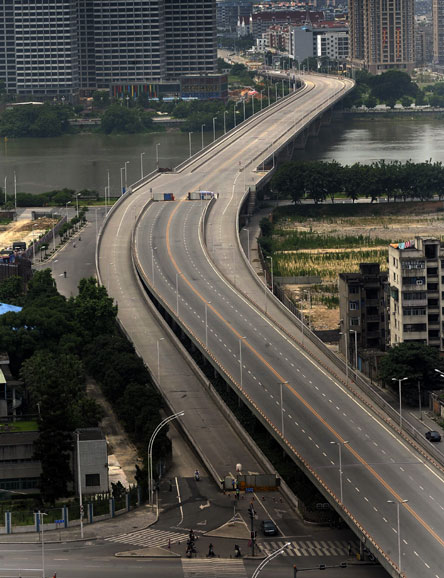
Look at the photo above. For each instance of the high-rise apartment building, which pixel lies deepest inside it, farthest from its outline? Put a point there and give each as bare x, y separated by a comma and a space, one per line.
382, 34
416, 270
127, 46
438, 31
39, 46
190, 37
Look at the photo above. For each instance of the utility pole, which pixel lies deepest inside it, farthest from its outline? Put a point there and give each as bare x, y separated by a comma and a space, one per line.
252, 513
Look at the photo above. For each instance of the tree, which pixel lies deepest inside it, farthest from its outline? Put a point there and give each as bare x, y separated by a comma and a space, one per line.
417, 362
12, 291
120, 119
94, 310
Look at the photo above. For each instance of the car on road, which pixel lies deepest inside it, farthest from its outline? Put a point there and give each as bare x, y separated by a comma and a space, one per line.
269, 528
433, 436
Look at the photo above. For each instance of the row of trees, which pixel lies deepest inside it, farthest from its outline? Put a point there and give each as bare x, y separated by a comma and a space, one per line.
58, 198
36, 121
53, 344
325, 180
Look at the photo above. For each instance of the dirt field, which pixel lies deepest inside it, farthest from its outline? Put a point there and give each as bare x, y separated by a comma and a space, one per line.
401, 222
24, 230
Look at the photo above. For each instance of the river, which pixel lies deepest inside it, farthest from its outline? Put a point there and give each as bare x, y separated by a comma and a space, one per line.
82, 161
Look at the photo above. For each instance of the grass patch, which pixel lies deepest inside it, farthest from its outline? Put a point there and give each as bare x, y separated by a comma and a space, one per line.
18, 426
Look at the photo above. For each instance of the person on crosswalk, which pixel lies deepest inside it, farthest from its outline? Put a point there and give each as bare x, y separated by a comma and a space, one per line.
211, 553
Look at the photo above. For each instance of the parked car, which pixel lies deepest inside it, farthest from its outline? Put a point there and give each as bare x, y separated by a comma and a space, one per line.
269, 528
433, 436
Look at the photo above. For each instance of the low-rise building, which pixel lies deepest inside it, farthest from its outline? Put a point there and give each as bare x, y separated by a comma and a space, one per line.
90, 444
363, 314
19, 470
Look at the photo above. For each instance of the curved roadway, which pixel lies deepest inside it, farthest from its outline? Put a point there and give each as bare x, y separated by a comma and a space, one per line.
316, 409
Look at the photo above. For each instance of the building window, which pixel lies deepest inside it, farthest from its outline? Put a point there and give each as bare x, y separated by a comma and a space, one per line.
354, 321
354, 305
92, 480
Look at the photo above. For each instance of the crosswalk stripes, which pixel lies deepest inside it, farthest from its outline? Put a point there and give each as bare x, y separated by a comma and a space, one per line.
307, 548
149, 538
213, 568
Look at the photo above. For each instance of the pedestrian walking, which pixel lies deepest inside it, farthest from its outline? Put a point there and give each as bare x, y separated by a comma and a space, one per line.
211, 553
237, 551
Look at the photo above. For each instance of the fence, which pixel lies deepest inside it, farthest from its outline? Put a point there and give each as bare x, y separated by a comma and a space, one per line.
95, 508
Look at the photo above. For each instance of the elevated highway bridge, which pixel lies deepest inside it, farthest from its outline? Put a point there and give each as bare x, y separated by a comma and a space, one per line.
187, 256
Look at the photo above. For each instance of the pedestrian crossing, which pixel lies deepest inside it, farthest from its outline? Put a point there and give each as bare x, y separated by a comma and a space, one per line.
213, 568
307, 548
150, 538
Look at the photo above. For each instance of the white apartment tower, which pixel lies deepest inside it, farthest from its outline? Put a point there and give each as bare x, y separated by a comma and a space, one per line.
416, 270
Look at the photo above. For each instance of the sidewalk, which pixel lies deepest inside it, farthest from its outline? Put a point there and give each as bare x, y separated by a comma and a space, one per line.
137, 519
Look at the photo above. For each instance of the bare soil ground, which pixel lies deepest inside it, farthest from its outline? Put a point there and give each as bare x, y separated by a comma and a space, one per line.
24, 230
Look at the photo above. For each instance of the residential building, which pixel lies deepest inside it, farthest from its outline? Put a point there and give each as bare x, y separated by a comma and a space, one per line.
416, 278
93, 462
382, 35
19, 470
190, 38
363, 314
321, 41
60, 47
229, 12
438, 31
261, 21
424, 39
39, 46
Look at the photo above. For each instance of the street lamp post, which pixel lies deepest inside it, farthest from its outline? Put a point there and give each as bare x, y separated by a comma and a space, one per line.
40, 518
272, 276
356, 347
66, 208
252, 103
345, 334
282, 383
262, 97
225, 121
248, 241
79, 481
121, 181
243, 102
141, 165
214, 127
419, 400
126, 175
77, 204
158, 357
150, 452
340, 444
206, 322
399, 386
240, 359
399, 529
202, 134
268, 93
157, 155
268, 559
234, 114
152, 264
189, 141
276, 90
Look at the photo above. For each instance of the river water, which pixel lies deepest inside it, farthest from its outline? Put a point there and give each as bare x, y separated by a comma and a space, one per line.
82, 161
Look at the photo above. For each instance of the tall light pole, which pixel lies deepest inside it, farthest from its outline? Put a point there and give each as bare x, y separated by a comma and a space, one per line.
400, 406
419, 400
356, 347
66, 207
157, 155
79, 481
152, 264
282, 383
248, 241
268, 91
234, 114
158, 357
141, 165
177, 293
122, 179
40, 516
345, 334
77, 204
397, 503
189, 141
272, 276
206, 322
276, 90
201, 132
53, 232
214, 127
340, 444
252, 103
240, 360
268, 559
150, 452
262, 98
225, 121
126, 175
243, 102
